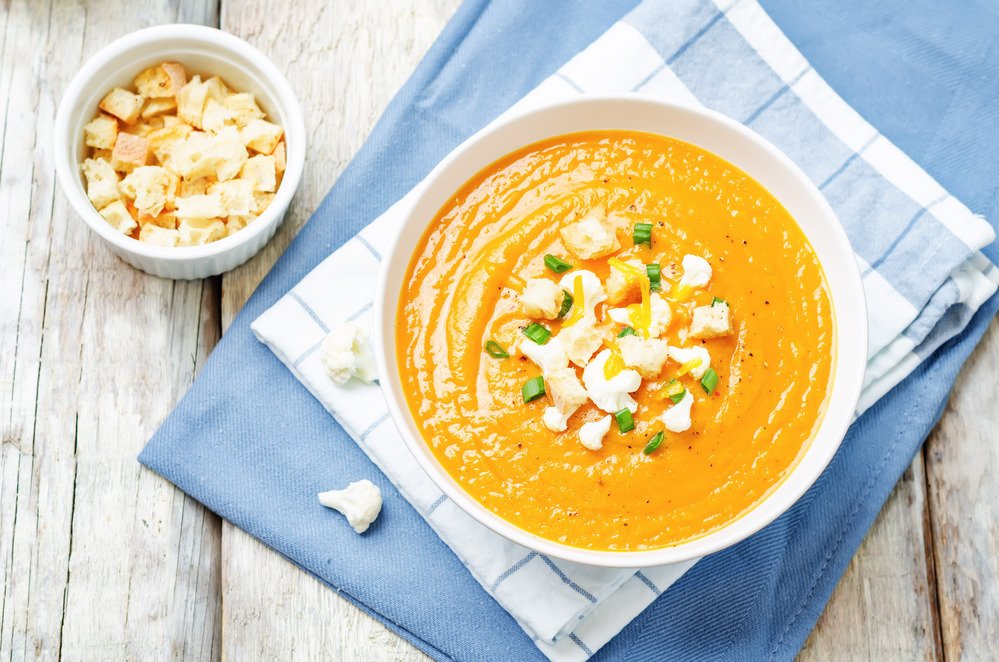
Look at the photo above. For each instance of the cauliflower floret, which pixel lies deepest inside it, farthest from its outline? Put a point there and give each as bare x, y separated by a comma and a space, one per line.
541, 298
567, 396
580, 340
687, 354
593, 289
677, 417
662, 315
647, 355
360, 502
696, 271
592, 434
549, 357
621, 288
711, 321
591, 237
612, 394
345, 353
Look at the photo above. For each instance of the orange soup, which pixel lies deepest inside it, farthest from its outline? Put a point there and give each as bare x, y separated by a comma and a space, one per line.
615, 340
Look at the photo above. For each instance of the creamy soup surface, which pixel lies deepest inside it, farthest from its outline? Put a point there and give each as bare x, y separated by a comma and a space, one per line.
731, 324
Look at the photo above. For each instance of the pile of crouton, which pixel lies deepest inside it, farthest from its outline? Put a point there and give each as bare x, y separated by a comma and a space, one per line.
181, 162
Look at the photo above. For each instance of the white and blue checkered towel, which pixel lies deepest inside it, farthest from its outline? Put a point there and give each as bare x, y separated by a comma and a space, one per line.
918, 248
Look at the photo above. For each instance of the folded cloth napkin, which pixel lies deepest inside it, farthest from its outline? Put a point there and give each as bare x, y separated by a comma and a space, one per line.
918, 248
255, 447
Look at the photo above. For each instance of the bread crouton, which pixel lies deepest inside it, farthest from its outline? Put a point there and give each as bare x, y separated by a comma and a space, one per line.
711, 321
567, 395
280, 157
116, 214
123, 104
261, 136
260, 172
243, 107
150, 187
130, 152
198, 231
191, 100
157, 107
161, 141
623, 288
163, 220
236, 196
189, 187
216, 116
591, 237
262, 201
541, 298
646, 355
154, 234
101, 132
102, 182
208, 205
230, 152
216, 89
581, 340
234, 224
163, 80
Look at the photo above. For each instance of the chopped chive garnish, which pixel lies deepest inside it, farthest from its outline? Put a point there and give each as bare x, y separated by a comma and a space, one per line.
627, 331
718, 300
495, 350
625, 423
537, 333
642, 234
655, 276
678, 396
557, 265
533, 389
653, 443
709, 381
566, 304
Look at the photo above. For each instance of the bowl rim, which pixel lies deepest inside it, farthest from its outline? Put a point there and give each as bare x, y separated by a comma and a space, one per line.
67, 170
844, 393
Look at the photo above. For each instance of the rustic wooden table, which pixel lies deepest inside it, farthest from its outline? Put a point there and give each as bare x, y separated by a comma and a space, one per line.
101, 559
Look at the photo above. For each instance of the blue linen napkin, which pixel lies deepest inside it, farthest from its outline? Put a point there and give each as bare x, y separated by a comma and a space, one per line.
218, 445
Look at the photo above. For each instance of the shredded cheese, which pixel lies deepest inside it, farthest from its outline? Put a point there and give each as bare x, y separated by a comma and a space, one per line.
640, 313
578, 302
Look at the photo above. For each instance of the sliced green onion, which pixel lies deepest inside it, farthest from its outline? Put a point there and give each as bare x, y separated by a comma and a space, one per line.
709, 381
533, 389
654, 443
627, 331
557, 265
655, 276
676, 397
625, 423
566, 304
642, 234
718, 300
537, 333
495, 350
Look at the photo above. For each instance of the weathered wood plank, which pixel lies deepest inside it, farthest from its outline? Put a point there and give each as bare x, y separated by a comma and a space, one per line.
100, 559
345, 60
884, 608
962, 458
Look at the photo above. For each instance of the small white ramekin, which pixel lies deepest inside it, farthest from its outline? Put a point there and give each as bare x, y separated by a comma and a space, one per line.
731, 141
202, 50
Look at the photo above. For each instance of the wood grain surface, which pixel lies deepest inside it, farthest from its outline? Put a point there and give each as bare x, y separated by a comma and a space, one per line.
101, 559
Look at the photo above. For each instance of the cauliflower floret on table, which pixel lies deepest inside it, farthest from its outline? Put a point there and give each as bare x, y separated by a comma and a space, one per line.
591, 236
647, 355
712, 321
345, 353
360, 502
541, 298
